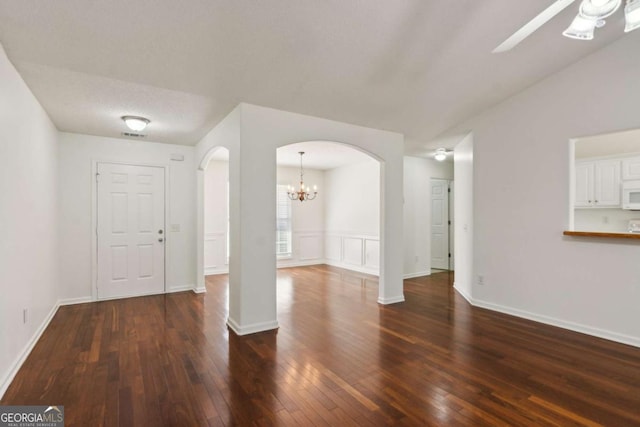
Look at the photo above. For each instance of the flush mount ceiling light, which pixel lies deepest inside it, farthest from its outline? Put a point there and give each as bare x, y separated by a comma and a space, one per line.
591, 15
441, 154
136, 123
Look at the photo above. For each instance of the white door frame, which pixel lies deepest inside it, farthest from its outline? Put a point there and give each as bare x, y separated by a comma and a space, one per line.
449, 219
94, 217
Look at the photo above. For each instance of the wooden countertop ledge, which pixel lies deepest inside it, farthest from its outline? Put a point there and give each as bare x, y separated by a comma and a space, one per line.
606, 235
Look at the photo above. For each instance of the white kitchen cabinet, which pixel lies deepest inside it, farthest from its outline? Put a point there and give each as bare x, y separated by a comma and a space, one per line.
631, 168
597, 184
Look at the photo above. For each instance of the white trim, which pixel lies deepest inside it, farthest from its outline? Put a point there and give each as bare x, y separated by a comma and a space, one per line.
182, 288
463, 293
392, 300
287, 264
22, 356
352, 267
547, 320
197, 290
253, 328
94, 218
73, 301
212, 271
418, 274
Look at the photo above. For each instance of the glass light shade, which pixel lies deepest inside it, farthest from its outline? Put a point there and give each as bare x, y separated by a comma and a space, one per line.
581, 28
632, 15
441, 154
135, 123
598, 9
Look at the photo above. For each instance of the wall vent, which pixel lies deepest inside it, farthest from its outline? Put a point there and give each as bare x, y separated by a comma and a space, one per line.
133, 135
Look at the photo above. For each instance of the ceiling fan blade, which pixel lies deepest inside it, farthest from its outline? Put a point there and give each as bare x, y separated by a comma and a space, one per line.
531, 26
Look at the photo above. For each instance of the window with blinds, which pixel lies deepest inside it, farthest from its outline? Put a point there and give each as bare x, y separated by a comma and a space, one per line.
283, 222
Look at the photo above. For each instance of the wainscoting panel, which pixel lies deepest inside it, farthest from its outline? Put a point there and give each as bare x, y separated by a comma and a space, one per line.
333, 247
310, 246
372, 253
215, 245
352, 250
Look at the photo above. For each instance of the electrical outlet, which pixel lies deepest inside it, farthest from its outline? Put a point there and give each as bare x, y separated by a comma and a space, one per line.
25, 315
480, 280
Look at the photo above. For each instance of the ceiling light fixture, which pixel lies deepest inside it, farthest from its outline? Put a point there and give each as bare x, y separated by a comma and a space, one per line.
591, 15
136, 123
302, 194
632, 15
441, 154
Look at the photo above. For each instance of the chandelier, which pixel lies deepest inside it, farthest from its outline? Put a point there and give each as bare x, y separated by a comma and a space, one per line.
302, 194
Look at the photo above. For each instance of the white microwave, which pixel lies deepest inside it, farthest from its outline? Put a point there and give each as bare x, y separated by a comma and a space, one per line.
631, 195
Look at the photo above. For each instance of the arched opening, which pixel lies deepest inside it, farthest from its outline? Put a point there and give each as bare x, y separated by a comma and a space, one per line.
253, 134
341, 225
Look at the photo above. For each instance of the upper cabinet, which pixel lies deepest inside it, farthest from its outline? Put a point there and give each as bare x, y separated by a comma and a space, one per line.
631, 168
597, 183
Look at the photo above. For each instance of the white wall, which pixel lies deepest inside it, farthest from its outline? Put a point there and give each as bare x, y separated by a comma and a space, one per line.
521, 200
352, 213
464, 215
76, 155
28, 197
216, 178
307, 218
417, 212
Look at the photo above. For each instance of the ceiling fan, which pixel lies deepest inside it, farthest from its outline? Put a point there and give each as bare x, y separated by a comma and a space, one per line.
591, 15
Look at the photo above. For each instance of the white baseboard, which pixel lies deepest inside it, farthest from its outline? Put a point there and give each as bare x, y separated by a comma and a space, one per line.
463, 293
22, 356
418, 274
287, 264
352, 267
253, 328
391, 300
72, 301
197, 290
214, 271
182, 288
547, 320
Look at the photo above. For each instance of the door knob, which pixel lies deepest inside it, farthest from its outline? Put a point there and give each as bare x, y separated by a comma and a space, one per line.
160, 231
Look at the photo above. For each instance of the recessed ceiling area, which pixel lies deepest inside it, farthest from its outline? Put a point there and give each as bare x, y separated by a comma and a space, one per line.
415, 67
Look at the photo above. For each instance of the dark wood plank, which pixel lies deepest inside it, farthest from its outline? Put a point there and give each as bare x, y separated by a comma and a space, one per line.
338, 358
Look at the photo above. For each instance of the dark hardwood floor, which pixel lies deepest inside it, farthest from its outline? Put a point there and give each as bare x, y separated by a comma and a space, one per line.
338, 359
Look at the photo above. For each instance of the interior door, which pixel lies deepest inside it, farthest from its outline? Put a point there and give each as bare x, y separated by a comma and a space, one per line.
439, 224
130, 230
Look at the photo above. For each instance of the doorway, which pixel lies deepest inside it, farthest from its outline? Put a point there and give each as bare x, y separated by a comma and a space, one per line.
442, 224
130, 230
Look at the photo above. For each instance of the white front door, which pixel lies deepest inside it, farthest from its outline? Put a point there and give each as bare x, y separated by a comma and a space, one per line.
130, 230
440, 224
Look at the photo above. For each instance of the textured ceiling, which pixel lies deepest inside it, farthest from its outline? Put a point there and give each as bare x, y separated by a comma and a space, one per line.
411, 66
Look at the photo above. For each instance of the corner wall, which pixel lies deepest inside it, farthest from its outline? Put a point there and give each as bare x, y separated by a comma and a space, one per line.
28, 214
77, 154
417, 212
521, 200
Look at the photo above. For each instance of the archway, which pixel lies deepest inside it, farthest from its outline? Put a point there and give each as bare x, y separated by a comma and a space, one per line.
252, 134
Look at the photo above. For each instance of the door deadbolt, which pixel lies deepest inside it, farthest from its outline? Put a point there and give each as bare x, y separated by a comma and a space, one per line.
160, 231
161, 240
